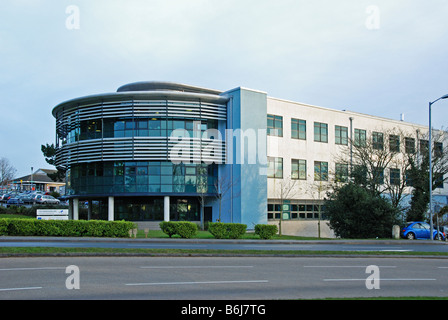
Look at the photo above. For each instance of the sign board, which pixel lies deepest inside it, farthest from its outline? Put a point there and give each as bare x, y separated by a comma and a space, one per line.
52, 214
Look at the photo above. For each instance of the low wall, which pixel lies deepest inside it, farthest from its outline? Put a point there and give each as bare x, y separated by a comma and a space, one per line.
304, 228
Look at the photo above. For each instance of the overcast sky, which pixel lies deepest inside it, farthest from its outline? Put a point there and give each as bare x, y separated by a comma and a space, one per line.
377, 57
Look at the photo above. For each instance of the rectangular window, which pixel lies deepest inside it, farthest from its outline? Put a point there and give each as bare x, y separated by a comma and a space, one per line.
438, 181
275, 125
394, 143
320, 132
298, 169
438, 149
360, 137
424, 145
409, 181
320, 171
409, 145
341, 172
378, 175
298, 129
377, 141
275, 167
394, 177
341, 135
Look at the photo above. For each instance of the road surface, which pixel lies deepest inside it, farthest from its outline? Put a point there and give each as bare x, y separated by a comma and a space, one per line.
220, 278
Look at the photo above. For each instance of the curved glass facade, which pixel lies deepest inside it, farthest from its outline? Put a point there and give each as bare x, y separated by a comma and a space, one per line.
141, 177
147, 151
137, 127
151, 209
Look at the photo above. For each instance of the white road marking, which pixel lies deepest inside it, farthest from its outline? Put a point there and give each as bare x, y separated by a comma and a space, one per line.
31, 269
335, 280
347, 267
194, 282
194, 267
17, 289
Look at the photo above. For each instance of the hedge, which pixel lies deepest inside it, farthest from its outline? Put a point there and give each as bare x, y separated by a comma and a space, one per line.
184, 229
266, 231
65, 228
227, 230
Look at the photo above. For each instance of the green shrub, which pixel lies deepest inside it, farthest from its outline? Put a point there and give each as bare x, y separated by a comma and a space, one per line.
266, 231
186, 229
64, 228
227, 230
21, 227
3, 227
183, 229
168, 227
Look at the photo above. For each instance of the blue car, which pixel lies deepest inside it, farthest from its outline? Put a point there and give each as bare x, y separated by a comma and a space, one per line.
420, 230
16, 201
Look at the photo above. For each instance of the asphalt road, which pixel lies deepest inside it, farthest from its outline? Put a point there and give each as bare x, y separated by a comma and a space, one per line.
220, 278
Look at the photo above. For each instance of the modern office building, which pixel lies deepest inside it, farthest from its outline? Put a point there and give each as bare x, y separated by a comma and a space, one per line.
155, 151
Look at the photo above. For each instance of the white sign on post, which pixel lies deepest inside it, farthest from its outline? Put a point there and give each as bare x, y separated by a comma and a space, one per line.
52, 214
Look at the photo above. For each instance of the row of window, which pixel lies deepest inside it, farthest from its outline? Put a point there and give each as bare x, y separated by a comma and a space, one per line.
136, 127
299, 172
141, 177
298, 131
298, 169
295, 211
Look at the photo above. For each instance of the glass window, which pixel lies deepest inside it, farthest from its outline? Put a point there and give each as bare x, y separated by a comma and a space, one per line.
438, 149
298, 169
341, 135
360, 137
119, 125
377, 140
275, 125
409, 145
275, 167
320, 132
394, 177
394, 143
341, 172
424, 145
378, 175
298, 129
320, 171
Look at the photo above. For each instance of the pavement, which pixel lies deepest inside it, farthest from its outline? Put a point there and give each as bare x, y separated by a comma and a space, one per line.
230, 241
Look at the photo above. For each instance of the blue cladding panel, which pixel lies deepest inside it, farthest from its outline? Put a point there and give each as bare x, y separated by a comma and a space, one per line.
247, 200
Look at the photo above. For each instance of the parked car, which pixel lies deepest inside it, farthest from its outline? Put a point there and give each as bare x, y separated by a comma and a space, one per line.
444, 229
28, 198
420, 230
5, 197
45, 199
14, 201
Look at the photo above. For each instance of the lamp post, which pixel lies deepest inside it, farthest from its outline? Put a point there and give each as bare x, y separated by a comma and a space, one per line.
430, 165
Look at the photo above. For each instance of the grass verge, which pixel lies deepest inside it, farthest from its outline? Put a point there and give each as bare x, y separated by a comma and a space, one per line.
19, 251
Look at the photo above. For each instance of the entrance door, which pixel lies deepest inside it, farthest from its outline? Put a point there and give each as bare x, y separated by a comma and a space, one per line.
208, 214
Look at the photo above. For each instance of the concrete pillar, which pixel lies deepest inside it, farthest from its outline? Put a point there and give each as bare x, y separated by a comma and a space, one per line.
111, 209
70, 209
166, 208
76, 209
89, 210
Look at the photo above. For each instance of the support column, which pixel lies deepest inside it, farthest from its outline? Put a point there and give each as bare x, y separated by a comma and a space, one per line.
166, 208
89, 210
76, 209
111, 209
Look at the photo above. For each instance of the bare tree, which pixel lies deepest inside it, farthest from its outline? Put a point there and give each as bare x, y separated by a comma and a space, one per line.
382, 162
285, 189
7, 171
222, 186
375, 162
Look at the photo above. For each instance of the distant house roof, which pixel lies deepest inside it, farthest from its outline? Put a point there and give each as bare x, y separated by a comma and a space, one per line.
40, 176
